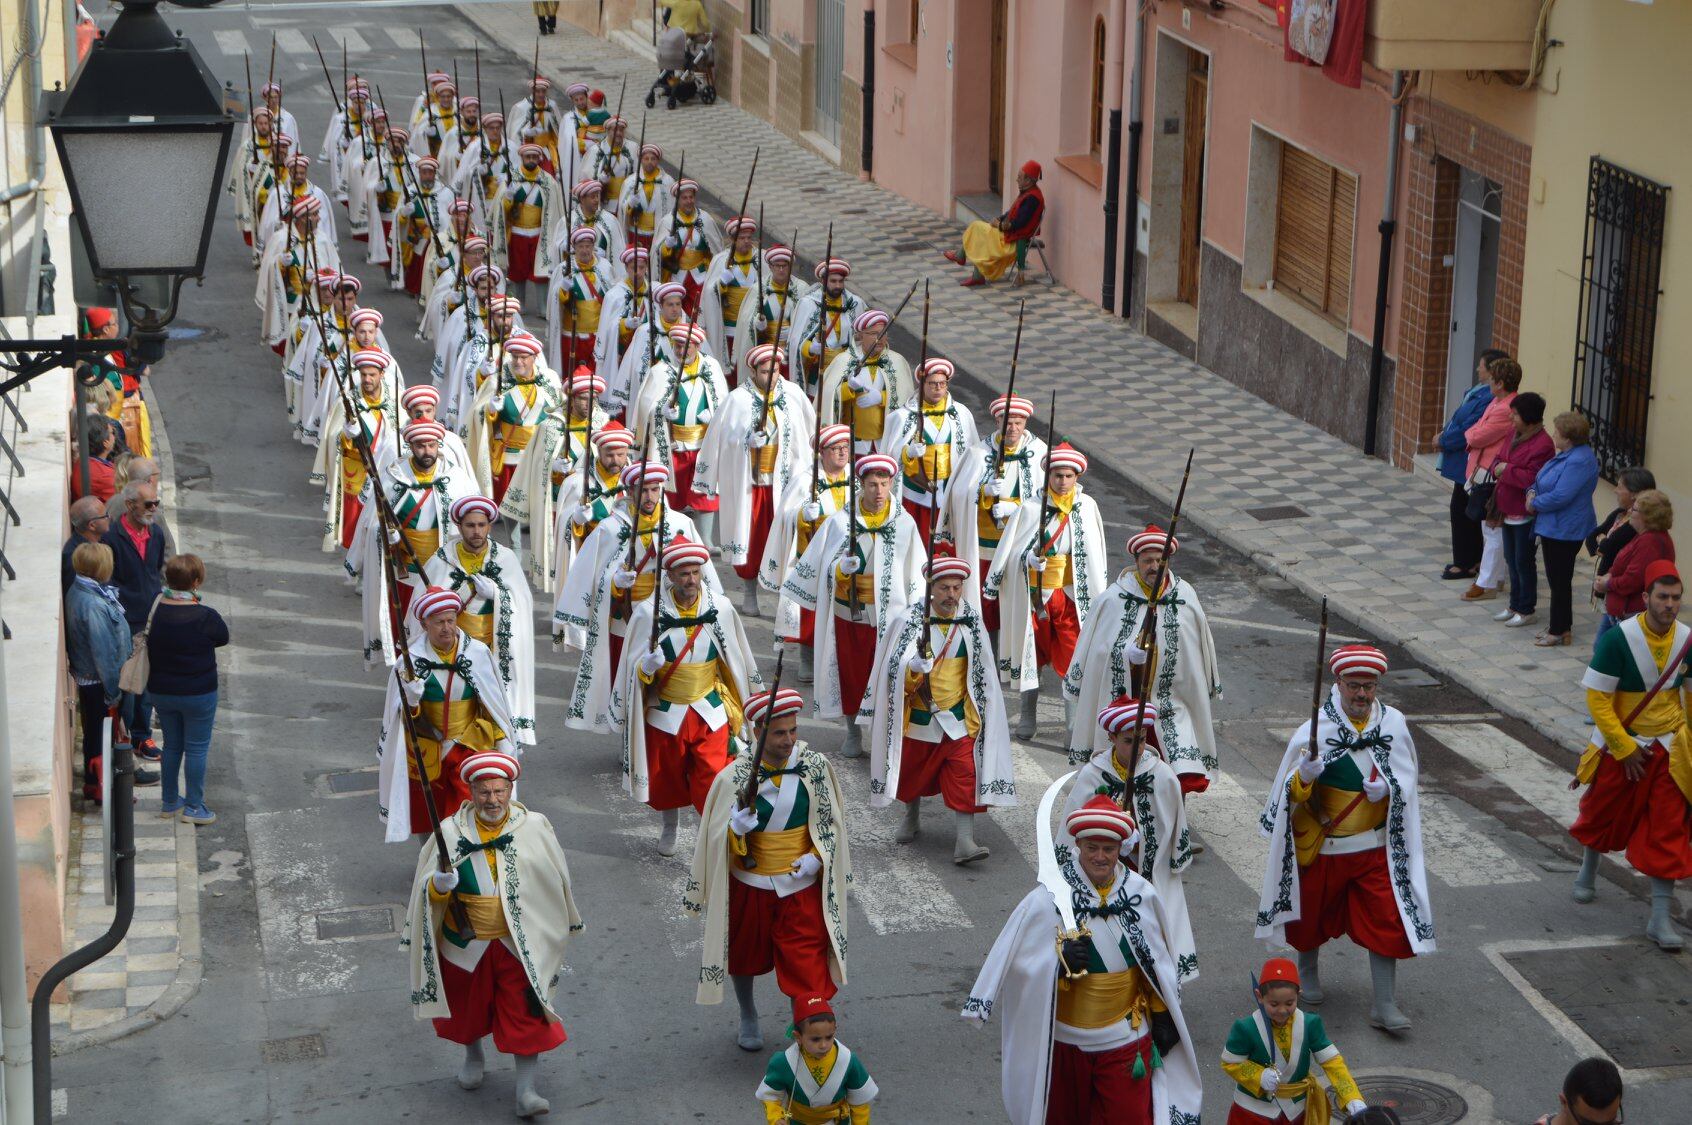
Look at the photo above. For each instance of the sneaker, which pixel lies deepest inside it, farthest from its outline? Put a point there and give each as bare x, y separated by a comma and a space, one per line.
198, 814
1504, 614
148, 750
1517, 620
145, 777
1478, 594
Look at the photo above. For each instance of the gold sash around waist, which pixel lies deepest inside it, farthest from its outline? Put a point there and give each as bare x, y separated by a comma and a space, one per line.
688, 683
935, 463
470, 728
946, 682
763, 461
1102, 999
515, 436
1054, 577
689, 435
828, 355
525, 215
1310, 833
775, 853
352, 468
487, 920
866, 589
423, 543
695, 259
868, 422
478, 625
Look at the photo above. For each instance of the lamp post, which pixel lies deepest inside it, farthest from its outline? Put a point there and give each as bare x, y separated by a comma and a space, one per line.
143, 138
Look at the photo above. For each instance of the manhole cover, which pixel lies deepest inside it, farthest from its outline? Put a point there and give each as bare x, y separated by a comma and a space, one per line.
1416, 1102
1277, 512
296, 1048
351, 781
355, 922
1410, 677
1634, 1007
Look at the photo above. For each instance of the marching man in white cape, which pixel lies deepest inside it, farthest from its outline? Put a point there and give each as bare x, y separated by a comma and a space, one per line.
545, 466
1083, 982
929, 433
988, 488
678, 401
586, 498
772, 868
823, 491
755, 456
1182, 664
457, 707
485, 938
865, 382
1344, 823
862, 568
1163, 850
938, 728
498, 609
680, 687
1046, 580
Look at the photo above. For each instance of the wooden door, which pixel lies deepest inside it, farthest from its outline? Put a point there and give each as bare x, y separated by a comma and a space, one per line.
996, 101
1192, 177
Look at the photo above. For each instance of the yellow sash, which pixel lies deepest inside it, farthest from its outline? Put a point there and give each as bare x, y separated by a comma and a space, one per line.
1054, 577
775, 853
690, 435
486, 917
1102, 999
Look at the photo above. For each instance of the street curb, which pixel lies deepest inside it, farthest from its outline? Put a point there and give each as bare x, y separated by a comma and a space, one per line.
1141, 476
190, 968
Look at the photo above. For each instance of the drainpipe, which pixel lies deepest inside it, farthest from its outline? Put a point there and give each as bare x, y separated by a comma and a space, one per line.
869, 92
1135, 127
1113, 157
1388, 227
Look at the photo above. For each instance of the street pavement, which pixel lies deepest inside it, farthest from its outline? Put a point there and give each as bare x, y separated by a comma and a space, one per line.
301, 1014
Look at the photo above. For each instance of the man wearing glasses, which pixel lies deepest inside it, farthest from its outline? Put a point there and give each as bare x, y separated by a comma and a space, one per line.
89, 523
138, 553
1592, 1095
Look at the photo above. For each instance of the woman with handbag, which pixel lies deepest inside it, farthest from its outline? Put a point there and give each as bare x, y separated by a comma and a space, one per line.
183, 637
1453, 457
96, 643
1487, 440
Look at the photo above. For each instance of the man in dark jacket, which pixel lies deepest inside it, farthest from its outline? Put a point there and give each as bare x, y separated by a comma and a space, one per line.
89, 524
138, 573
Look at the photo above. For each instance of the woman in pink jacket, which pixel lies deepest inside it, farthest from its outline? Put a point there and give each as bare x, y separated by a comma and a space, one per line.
1487, 440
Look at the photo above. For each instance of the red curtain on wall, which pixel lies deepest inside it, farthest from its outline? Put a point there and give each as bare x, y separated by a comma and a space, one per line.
1345, 53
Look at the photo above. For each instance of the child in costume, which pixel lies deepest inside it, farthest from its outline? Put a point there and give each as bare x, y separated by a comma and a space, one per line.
817, 1079
1271, 1055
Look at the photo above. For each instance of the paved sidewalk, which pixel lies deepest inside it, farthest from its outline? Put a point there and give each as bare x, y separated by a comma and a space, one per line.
1369, 537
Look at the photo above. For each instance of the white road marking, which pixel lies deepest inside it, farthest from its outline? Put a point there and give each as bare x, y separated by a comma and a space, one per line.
666, 879
232, 43
1513, 765
1289, 630
1034, 771
1225, 816
294, 42
354, 41
1461, 856
402, 36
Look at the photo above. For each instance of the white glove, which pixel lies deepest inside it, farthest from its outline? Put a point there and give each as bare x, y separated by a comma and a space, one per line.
810, 510
581, 516
444, 882
351, 430
393, 536
1136, 654
999, 487
484, 586
672, 412
624, 579
848, 567
1033, 560
1355, 1106
1129, 846
413, 690
1375, 787
1003, 510
858, 381
742, 821
1270, 1080
811, 349
1309, 769
870, 397
757, 439
651, 662
559, 465
915, 450
806, 865
920, 663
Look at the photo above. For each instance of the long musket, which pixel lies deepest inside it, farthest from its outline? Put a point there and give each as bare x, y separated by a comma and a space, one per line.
658, 572
1034, 599
1148, 629
252, 138
409, 176
335, 97
1010, 389
1316, 687
504, 141
675, 212
534, 73
822, 319
749, 796
428, 91
633, 501
922, 363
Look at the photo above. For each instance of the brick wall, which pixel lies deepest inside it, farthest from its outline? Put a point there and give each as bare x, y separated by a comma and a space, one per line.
1448, 140
851, 125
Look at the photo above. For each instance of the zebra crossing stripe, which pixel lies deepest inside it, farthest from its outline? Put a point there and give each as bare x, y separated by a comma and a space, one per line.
354, 41
233, 44
664, 878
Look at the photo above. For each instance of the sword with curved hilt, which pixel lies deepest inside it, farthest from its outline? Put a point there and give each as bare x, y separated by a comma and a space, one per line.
1051, 875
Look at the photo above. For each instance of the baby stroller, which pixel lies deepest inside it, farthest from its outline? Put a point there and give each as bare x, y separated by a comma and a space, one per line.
686, 70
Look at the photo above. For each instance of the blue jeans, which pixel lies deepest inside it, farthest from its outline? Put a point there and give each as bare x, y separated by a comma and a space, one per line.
185, 721
1605, 624
137, 712
1520, 558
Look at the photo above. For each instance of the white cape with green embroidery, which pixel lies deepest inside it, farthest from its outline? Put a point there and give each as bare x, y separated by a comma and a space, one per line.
534, 894
708, 886
1018, 984
1187, 679
513, 623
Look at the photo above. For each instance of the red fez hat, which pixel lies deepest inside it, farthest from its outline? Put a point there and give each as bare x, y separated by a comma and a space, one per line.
1661, 570
1278, 970
1031, 169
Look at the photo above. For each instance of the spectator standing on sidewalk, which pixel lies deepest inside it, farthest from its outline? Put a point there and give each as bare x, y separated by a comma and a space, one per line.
1561, 503
96, 645
101, 434
1453, 457
1592, 1095
138, 574
146, 470
88, 522
182, 682
1617, 531
1487, 440
1530, 448
1623, 588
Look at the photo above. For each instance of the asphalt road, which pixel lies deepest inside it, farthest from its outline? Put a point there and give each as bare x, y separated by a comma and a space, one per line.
302, 1014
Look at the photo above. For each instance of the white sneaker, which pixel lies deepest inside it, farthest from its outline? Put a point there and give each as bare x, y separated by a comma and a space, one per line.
1517, 620
1504, 614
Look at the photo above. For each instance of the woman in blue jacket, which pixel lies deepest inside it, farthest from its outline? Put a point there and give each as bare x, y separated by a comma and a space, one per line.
1561, 503
1453, 455
96, 645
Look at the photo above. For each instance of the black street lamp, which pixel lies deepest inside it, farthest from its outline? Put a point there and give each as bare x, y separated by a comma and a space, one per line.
143, 137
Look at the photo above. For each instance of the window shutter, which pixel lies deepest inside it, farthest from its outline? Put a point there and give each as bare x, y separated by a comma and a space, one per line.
1338, 303
1313, 229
